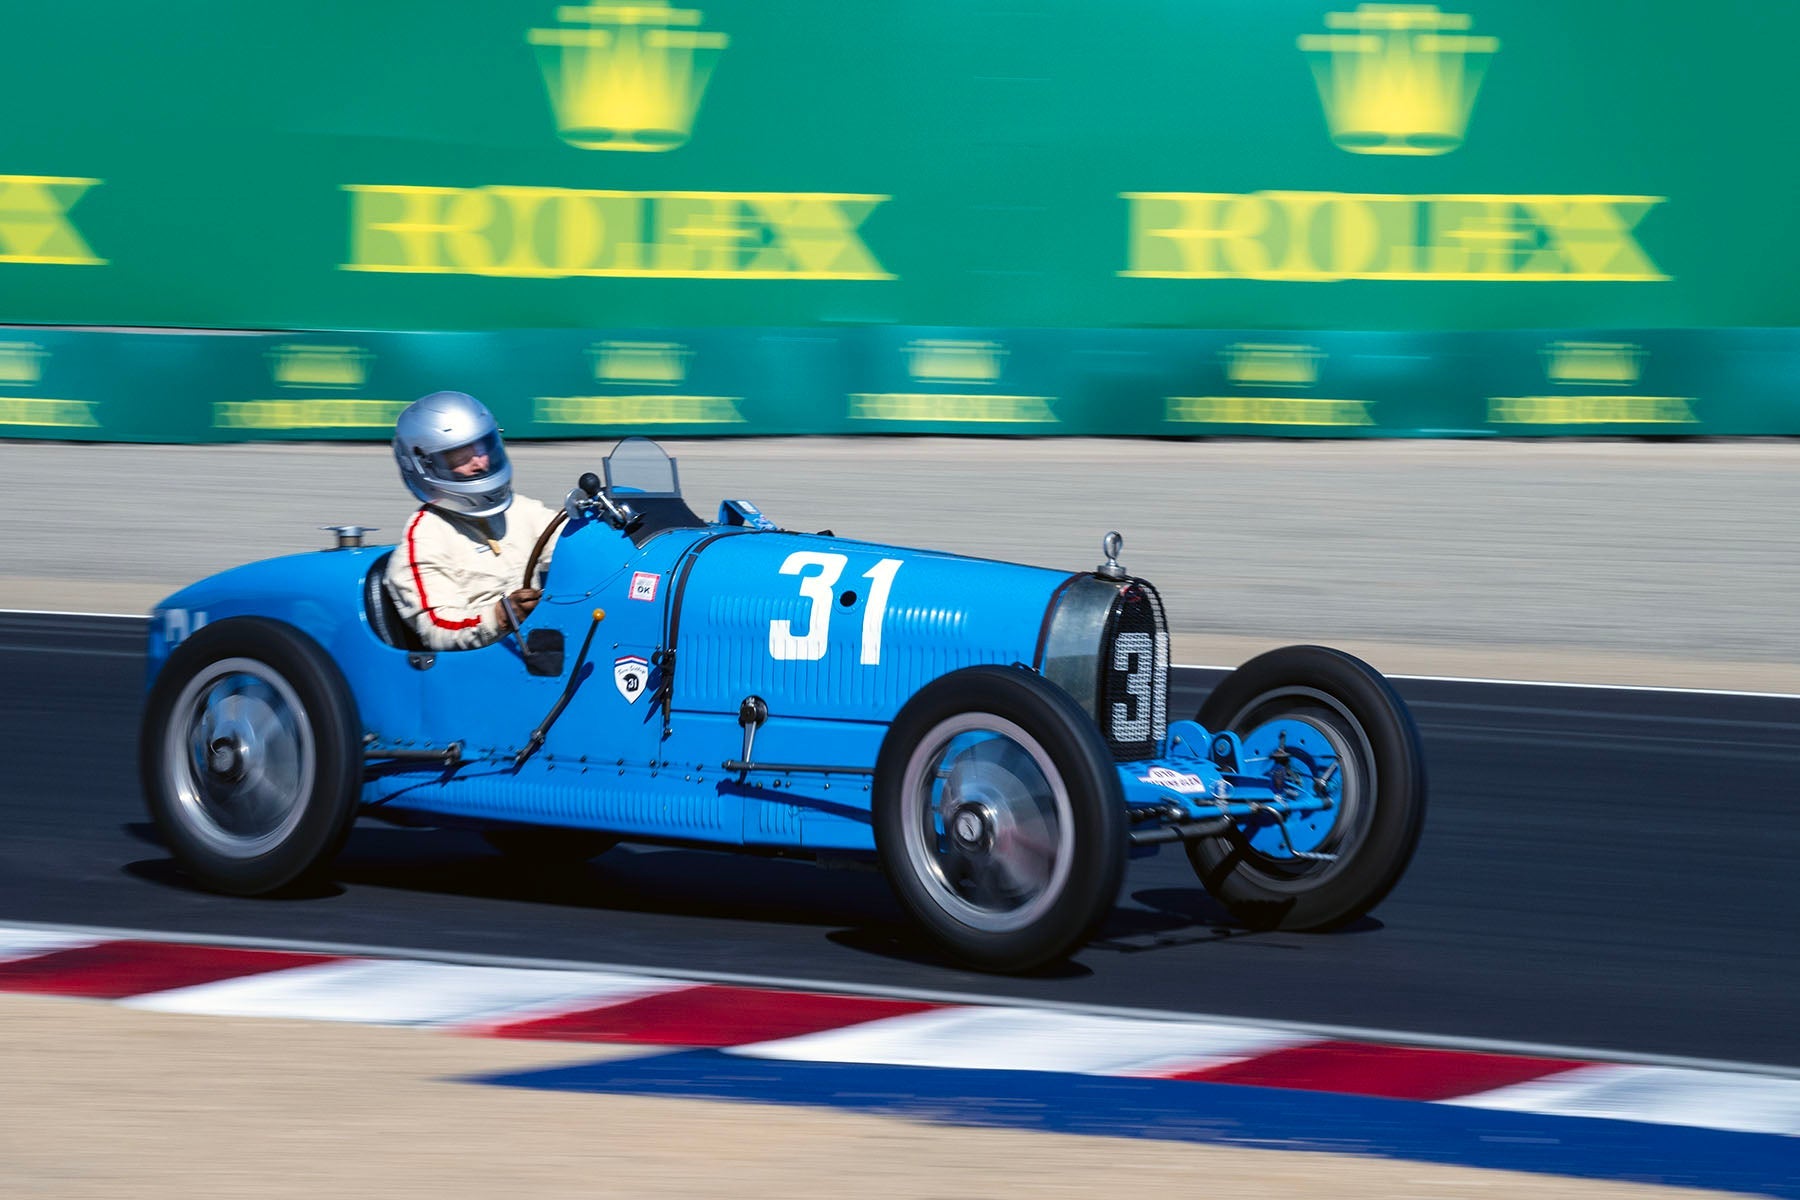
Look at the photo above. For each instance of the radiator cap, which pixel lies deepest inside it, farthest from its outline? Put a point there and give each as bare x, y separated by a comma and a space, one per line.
1110, 545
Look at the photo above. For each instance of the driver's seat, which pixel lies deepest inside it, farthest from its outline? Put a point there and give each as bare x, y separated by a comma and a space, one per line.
384, 614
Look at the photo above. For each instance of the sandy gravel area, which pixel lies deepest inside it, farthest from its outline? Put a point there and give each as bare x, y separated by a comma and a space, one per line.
104, 1102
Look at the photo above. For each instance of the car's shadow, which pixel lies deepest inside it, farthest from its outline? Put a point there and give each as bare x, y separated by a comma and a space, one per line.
903, 943
672, 882
856, 906
1173, 918
164, 873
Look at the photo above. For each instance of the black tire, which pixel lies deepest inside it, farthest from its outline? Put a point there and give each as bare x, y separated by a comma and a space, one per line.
531, 845
1046, 811
1376, 830
250, 756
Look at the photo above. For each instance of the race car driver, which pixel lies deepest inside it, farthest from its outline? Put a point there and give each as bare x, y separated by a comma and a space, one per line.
457, 575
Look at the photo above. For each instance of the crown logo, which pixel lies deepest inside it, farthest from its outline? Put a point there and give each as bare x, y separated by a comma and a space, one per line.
939, 360
659, 363
1398, 78
626, 76
1589, 365
1614, 363
21, 363
1272, 364
298, 364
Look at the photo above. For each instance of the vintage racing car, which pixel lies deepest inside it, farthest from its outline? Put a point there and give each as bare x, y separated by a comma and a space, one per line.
996, 736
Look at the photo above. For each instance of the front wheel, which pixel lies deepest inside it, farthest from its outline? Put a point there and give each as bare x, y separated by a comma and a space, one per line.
999, 818
1339, 732
250, 755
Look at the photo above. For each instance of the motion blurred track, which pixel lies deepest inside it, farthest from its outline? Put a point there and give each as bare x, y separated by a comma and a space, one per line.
1600, 868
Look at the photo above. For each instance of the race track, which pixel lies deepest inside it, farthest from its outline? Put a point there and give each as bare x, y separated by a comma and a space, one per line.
1601, 868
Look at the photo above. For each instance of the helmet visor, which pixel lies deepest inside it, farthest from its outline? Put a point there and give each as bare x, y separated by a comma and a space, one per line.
469, 463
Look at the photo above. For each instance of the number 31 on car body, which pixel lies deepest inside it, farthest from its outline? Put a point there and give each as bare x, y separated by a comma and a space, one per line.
791, 646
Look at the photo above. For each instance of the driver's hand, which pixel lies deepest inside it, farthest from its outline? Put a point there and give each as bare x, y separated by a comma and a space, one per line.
523, 601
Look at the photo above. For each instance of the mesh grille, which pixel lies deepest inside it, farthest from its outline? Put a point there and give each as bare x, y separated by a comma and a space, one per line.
1133, 689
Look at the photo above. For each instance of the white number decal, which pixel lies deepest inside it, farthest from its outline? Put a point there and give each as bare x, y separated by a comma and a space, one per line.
881, 577
788, 646
1131, 655
784, 643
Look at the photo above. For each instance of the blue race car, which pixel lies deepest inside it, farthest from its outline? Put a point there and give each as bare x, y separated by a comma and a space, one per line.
996, 736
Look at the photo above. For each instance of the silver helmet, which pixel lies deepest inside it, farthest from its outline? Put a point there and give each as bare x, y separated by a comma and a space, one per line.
451, 456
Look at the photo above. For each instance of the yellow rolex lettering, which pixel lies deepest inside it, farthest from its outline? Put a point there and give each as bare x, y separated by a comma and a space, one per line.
477, 232
1251, 224
34, 221
957, 409
1325, 236
1591, 410
1298, 212
527, 210
639, 410
1200, 235
306, 413
43, 412
598, 233
1267, 410
1399, 221
1475, 237
702, 235
1336, 235
817, 235
399, 228
531, 232
550, 232
1591, 236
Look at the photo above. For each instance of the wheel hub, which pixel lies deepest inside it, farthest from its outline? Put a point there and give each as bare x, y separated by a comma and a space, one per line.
971, 827
225, 759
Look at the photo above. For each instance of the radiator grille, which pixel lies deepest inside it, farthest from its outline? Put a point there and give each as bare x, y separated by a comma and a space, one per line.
1133, 688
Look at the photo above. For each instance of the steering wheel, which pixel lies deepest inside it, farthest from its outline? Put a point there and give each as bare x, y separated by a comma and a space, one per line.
537, 551
588, 483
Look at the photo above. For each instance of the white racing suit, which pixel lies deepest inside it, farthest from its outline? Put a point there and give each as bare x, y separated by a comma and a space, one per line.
446, 577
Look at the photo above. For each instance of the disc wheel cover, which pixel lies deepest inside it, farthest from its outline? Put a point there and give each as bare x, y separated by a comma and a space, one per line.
239, 757
987, 822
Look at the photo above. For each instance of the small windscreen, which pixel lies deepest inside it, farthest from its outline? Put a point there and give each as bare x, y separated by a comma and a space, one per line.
470, 463
639, 465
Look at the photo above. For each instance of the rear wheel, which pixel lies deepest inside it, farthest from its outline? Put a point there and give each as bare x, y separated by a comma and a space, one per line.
250, 755
999, 819
1343, 735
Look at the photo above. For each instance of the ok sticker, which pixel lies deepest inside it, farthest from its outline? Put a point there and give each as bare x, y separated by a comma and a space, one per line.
644, 585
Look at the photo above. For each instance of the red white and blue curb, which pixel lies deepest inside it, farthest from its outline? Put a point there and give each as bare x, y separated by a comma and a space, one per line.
953, 1059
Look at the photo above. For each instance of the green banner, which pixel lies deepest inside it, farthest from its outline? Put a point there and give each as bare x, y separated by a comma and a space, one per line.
523, 164
194, 387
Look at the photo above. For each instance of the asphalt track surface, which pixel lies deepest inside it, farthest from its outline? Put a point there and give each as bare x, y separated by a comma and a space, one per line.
1604, 869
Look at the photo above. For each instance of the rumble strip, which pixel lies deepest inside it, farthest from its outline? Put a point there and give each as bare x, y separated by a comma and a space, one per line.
1192, 1080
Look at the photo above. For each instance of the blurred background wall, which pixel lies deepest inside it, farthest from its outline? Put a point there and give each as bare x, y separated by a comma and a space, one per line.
791, 216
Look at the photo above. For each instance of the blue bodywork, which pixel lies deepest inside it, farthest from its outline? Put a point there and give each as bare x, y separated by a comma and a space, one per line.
834, 634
